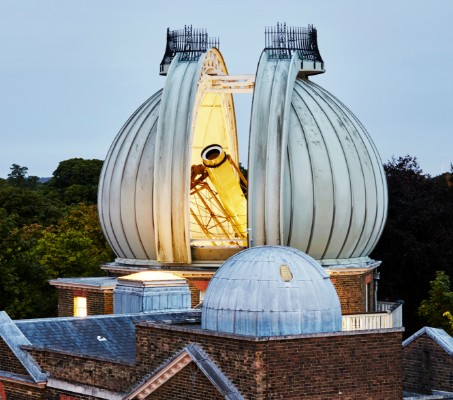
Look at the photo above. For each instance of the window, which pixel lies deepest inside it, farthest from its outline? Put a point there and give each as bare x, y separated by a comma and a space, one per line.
202, 293
80, 306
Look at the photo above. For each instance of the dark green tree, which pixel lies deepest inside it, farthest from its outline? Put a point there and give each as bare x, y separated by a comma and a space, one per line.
433, 310
417, 237
75, 246
76, 180
30, 206
44, 237
18, 177
25, 292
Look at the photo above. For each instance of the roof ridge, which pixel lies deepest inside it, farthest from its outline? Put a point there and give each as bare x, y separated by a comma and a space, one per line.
442, 338
169, 368
14, 339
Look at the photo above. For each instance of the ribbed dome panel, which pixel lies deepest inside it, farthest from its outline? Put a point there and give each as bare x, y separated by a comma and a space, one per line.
126, 185
316, 181
343, 187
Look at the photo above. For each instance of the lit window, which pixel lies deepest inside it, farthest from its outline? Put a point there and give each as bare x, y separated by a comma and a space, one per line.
202, 293
80, 306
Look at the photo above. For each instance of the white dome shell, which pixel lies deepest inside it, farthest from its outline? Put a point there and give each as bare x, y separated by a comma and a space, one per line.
126, 185
316, 181
249, 295
143, 194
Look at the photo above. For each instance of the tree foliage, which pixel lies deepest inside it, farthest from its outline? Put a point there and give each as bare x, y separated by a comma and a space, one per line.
47, 232
76, 180
73, 247
417, 237
437, 309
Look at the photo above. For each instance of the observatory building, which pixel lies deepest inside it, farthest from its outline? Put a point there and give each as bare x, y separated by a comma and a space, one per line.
172, 195
228, 283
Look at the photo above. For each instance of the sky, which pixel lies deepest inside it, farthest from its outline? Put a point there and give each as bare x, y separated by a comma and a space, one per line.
73, 71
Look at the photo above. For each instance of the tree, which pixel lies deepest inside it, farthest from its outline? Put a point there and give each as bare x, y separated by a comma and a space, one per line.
77, 180
75, 246
30, 206
417, 237
43, 238
18, 177
438, 307
25, 292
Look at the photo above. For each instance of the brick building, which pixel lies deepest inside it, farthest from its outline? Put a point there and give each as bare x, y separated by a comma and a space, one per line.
428, 361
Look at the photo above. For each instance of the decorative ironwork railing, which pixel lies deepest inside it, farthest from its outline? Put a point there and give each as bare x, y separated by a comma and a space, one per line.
390, 315
191, 42
282, 41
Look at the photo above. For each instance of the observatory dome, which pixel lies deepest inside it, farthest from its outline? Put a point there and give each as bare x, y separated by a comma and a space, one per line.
126, 185
271, 291
145, 184
315, 179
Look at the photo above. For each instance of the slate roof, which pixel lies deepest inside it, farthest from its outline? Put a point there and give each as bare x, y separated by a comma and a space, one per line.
108, 337
14, 339
442, 338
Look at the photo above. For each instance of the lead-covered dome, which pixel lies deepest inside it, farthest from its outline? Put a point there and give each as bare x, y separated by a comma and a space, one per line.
271, 291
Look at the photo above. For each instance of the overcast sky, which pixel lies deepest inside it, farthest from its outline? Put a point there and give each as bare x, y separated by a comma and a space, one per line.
73, 71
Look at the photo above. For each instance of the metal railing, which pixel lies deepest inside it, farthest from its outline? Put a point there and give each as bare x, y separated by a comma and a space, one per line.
390, 315
282, 41
191, 42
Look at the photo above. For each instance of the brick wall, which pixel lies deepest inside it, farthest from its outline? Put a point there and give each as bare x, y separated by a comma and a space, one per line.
99, 302
334, 366
17, 391
194, 293
89, 371
189, 383
9, 362
366, 366
156, 346
54, 394
194, 290
352, 293
427, 366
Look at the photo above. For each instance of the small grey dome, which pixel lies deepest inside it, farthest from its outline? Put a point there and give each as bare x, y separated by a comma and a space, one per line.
271, 291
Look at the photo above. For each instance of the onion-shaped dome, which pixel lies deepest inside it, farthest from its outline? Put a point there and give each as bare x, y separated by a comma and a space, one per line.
143, 198
126, 185
271, 291
316, 181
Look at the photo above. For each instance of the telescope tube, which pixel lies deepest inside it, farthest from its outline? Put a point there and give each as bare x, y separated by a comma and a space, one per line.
225, 180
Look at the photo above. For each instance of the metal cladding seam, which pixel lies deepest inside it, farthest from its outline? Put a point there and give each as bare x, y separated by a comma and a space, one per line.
378, 210
140, 131
306, 303
171, 175
331, 190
